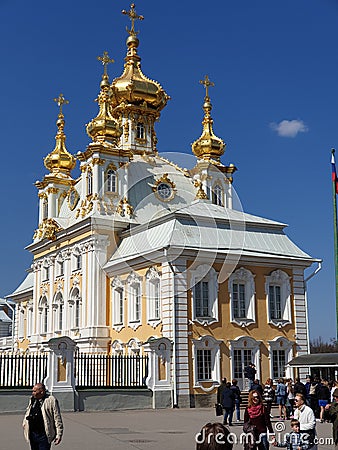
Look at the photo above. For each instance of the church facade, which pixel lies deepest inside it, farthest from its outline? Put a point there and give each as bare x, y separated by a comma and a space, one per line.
140, 255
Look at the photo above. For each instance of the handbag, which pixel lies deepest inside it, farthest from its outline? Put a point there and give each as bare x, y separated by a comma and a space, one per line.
218, 409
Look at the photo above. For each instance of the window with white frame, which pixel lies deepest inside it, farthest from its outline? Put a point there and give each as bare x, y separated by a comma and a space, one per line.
206, 354
43, 310
89, 182
204, 291
278, 294
117, 303
75, 302
134, 299
21, 322
153, 290
218, 195
111, 180
58, 307
77, 260
29, 322
242, 296
46, 272
44, 208
280, 352
60, 267
140, 130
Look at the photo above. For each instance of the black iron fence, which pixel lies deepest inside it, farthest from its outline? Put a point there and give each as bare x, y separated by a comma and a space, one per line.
22, 371
110, 371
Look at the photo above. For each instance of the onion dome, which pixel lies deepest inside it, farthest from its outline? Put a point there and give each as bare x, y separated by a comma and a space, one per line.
133, 87
104, 125
60, 162
208, 146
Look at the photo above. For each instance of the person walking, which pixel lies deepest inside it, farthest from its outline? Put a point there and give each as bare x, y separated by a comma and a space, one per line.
257, 416
238, 399
42, 423
220, 390
331, 410
306, 417
324, 397
281, 398
269, 395
228, 403
290, 399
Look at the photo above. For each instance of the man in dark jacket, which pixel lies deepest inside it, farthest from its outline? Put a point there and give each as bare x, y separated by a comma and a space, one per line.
250, 374
299, 388
228, 403
332, 414
220, 390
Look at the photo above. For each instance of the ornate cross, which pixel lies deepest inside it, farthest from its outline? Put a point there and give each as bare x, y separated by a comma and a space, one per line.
207, 83
61, 101
105, 61
132, 16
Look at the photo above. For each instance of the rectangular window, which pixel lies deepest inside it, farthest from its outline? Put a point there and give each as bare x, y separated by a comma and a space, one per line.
238, 299
46, 273
201, 291
204, 365
278, 363
118, 306
275, 302
78, 262
61, 268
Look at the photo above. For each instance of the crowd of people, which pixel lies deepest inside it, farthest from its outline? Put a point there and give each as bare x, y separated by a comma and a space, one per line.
303, 403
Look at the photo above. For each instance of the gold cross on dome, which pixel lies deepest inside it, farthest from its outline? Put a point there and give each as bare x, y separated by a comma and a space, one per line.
105, 61
132, 16
207, 83
61, 101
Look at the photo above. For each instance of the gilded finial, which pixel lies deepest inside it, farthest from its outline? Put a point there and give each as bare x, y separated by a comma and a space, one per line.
60, 100
132, 16
207, 83
105, 61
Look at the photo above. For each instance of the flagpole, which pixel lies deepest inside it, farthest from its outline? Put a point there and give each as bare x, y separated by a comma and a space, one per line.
334, 196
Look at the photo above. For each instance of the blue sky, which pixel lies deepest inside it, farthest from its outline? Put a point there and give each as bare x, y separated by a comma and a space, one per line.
275, 104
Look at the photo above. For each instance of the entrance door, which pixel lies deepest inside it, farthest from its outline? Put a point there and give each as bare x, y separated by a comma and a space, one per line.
242, 358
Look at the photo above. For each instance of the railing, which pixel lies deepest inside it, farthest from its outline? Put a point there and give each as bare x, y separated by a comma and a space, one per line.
20, 371
110, 371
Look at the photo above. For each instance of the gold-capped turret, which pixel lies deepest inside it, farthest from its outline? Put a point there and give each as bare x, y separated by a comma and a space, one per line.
104, 126
133, 87
60, 162
208, 146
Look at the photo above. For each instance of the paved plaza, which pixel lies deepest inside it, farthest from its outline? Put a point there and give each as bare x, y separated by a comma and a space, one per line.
129, 430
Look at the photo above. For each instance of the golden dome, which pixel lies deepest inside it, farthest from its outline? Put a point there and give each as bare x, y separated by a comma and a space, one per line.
208, 145
104, 125
60, 161
133, 86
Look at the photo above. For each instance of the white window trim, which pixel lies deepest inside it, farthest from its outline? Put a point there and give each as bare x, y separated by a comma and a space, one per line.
281, 343
207, 343
117, 347
248, 343
134, 347
133, 281
21, 322
58, 306
75, 296
152, 277
207, 273
29, 322
282, 279
243, 276
43, 311
117, 287
219, 196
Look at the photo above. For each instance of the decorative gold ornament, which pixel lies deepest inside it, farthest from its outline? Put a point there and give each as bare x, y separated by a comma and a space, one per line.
47, 229
164, 188
132, 16
104, 126
201, 195
60, 162
208, 146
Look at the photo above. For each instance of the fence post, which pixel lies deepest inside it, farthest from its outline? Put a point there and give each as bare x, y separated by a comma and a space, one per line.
60, 371
159, 379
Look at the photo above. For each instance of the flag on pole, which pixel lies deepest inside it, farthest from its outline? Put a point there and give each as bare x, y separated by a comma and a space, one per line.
334, 172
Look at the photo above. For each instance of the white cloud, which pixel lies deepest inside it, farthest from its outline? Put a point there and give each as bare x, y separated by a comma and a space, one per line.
289, 128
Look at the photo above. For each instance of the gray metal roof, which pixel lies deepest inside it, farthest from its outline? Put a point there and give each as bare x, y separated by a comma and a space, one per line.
205, 227
315, 360
25, 286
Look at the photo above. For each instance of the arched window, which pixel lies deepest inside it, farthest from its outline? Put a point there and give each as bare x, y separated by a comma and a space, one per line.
75, 301
140, 130
153, 296
44, 208
89, 182
59, 309
43, 310
134, 300
111, 180
242, 296
217, 195
118, 303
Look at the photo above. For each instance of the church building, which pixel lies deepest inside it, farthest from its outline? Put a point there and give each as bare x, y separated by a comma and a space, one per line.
138, 255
